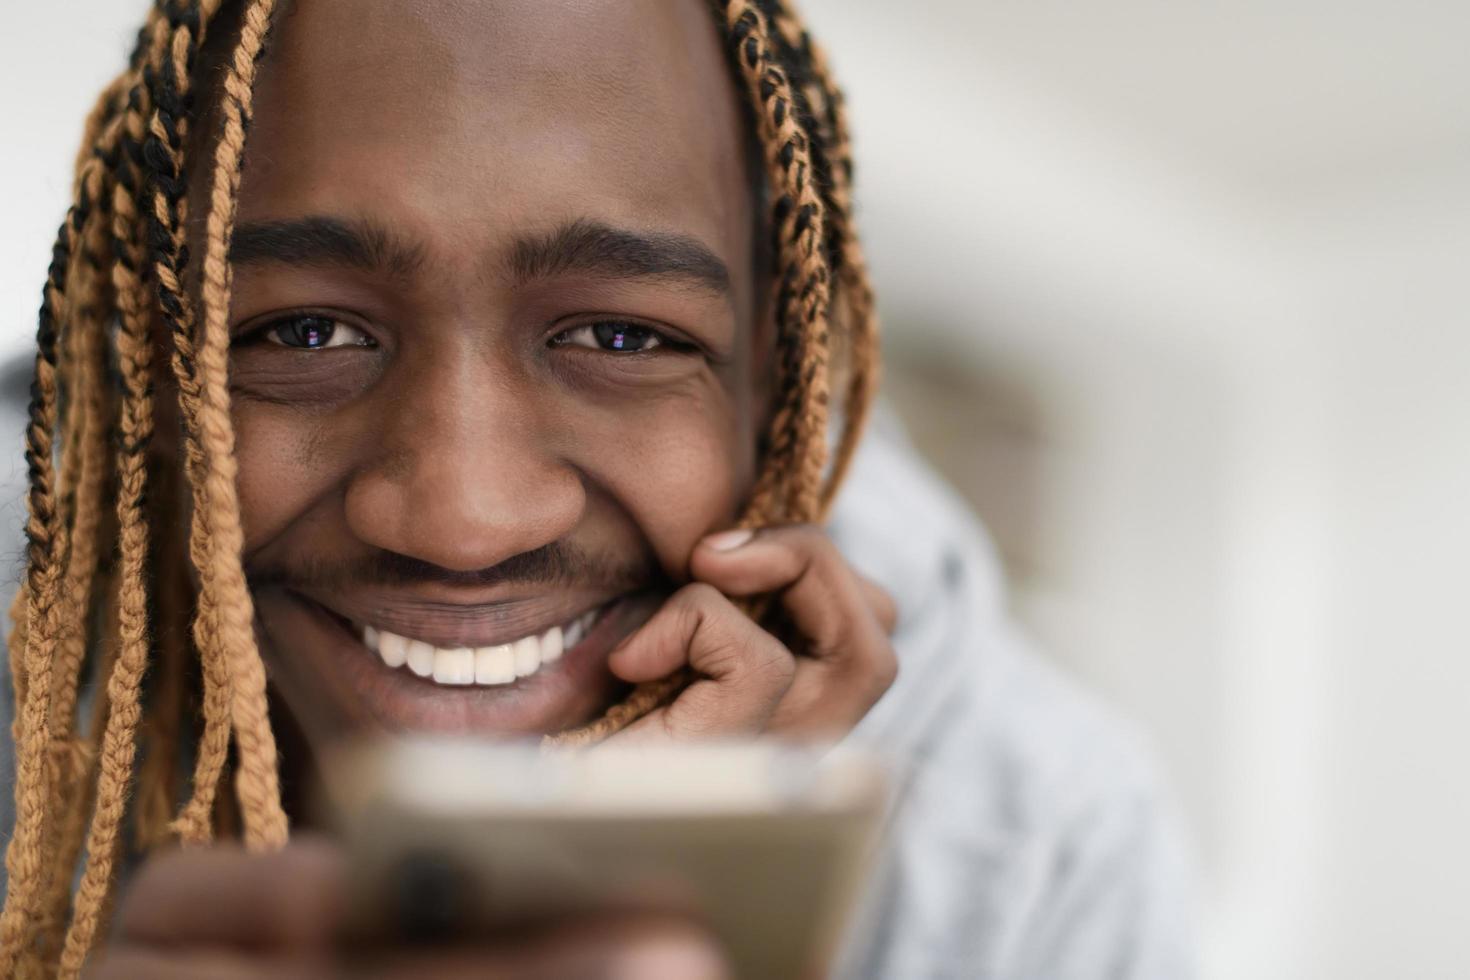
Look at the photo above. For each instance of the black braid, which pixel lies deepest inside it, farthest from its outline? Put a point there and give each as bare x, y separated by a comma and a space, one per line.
795, 62
40, 531
162, 160
783, 63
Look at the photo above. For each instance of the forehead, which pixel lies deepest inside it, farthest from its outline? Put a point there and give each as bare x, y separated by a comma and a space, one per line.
463, 120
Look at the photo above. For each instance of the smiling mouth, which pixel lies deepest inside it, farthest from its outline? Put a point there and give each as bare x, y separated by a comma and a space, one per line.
419, 664
485, 666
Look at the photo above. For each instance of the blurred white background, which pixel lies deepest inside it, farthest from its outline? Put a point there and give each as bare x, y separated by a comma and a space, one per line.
1177, 294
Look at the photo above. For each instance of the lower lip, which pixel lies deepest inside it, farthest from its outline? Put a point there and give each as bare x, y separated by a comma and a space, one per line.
560, 695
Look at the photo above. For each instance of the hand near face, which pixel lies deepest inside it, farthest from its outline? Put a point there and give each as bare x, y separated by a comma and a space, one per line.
219, 913
747, 682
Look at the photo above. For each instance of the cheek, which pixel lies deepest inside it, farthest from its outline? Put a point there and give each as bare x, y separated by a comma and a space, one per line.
680, 470
284, 464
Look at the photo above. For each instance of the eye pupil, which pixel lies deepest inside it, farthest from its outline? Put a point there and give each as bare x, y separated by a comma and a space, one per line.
307, 331
621, 336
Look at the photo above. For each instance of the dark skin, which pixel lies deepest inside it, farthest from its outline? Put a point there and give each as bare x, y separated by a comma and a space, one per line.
495, 298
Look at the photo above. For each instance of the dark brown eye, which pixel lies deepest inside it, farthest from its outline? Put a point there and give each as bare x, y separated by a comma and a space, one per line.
315, 333
614, 336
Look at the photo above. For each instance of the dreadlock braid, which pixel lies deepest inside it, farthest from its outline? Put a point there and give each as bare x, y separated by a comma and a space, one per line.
130, 193
799, 428
173, 690
84, 439
169, 84
46, 538
265, 820
134, 355
848, 259
136, 429
169, 706
158, 774
83, 445
84, 432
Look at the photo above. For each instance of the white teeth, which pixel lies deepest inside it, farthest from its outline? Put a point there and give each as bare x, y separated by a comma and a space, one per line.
500, 664
455, 666
551, 645
421, 658
393, 649
527, 652
417, 651
495, 665
577, 631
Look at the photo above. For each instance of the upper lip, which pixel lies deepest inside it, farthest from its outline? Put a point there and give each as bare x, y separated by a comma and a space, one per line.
450, 624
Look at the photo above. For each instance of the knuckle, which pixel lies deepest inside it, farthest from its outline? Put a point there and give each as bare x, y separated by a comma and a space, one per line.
694, 604
780, 667
702, 594
771, 662
697, 597
756, 659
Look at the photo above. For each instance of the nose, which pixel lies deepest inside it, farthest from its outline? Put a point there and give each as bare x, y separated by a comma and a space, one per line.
462, 475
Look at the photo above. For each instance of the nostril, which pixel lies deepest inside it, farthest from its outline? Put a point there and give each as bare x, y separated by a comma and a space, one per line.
466, 515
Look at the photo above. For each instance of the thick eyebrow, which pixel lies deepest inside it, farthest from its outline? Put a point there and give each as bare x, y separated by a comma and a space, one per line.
325, 240
618, 253
578, 246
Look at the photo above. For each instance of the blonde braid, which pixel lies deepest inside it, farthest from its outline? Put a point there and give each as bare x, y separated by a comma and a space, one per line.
85, 451
169, 78
46, 546
15, 645
85, 454
224, 577
156, 780
158, 774
119, 741
82, 470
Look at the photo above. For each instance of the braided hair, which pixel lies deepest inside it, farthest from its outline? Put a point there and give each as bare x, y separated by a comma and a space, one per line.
106, 598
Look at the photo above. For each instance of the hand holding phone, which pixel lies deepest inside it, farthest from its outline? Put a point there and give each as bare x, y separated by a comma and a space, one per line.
219, 913
449, 839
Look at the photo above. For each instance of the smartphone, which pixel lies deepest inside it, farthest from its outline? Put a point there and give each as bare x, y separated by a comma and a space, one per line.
767, 844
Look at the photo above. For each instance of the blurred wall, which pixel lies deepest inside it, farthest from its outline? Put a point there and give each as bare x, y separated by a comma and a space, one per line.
1175, 294
1195, 275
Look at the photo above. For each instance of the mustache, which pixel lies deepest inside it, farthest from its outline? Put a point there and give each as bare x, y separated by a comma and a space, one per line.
554, 564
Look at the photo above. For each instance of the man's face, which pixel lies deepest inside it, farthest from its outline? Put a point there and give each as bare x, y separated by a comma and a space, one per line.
496, 347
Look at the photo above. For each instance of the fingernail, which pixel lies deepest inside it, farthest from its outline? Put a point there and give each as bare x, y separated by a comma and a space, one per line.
729, 540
